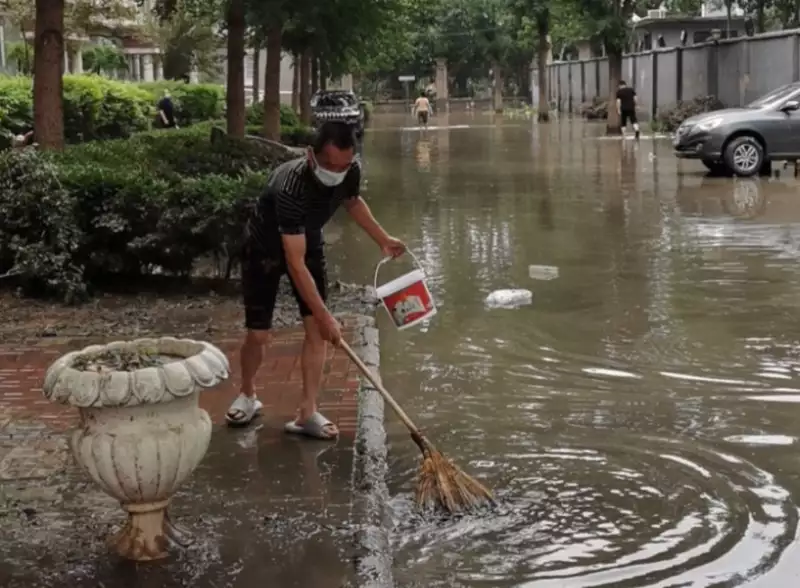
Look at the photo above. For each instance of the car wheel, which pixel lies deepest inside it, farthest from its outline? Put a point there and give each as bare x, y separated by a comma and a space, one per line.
744, 156
718, 168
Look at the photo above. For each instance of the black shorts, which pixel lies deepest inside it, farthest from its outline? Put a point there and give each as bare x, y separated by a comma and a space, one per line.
422, 117
261, 276
627, 115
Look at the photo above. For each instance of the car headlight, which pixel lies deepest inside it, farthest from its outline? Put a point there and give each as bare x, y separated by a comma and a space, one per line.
709, 124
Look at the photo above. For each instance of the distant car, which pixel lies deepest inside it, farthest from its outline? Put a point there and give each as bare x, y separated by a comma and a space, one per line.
337, 105
744, 141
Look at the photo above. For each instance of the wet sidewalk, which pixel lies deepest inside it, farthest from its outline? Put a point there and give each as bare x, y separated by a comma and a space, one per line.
267, 509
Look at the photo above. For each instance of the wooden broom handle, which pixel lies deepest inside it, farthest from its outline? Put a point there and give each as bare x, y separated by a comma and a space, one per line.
386, 396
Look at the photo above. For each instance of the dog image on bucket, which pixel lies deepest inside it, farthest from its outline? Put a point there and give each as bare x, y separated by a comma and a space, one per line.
408, 310
407, 298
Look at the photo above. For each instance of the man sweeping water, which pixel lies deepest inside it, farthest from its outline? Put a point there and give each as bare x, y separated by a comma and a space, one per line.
284, 236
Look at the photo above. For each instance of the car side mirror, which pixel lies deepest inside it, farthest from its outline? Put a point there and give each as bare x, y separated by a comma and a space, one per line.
790, 106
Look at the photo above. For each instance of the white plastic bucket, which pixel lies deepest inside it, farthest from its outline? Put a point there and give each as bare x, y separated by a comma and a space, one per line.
407, 299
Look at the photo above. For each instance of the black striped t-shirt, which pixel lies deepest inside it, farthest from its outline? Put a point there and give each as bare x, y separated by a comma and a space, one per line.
295, 202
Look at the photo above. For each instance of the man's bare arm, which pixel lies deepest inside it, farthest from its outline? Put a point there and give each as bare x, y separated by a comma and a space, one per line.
294, 247
359, 210
619, 106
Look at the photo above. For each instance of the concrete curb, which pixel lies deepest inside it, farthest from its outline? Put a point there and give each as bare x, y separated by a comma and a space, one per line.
373, 558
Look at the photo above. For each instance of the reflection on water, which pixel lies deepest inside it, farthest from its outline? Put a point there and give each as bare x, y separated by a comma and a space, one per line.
638, 420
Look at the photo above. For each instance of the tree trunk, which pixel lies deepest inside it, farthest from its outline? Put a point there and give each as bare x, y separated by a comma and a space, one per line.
543, 114
272, 84
728, 11
234, 96
305, 87
314, 75
256, 71
48, 68
760, 20
497, 101
614, 76
323, 75
296, 82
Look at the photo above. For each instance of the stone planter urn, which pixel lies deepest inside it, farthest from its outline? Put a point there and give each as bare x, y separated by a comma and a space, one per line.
142, 432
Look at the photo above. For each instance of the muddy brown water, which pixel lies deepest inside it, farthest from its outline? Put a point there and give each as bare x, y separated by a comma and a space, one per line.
639, 419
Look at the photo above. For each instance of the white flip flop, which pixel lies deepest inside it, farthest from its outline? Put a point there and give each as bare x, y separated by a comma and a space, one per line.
243, 410
313, 427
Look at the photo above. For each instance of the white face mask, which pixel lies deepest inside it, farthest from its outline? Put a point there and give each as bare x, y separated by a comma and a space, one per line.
326, 177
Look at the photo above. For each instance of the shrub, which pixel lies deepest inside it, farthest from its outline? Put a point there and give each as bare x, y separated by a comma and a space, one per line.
255, 115
39, 236
368, 109
596, 109
94, 107
16, 104
160, 201
293, 136
193, 102
671, 118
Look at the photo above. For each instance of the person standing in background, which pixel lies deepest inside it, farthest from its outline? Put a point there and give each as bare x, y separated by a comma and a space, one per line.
166, 111
627, 102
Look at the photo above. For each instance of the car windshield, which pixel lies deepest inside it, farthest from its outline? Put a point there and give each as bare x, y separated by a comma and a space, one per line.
337, 100
782, 93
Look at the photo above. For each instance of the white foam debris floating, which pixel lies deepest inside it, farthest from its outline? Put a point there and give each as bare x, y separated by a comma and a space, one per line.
511, 298
542, 272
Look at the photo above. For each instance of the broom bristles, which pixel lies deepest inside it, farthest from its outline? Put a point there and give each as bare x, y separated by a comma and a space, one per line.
443, 486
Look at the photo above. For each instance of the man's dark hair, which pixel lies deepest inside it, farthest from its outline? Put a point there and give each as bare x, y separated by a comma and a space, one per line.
622, 83
339, 133
423, 93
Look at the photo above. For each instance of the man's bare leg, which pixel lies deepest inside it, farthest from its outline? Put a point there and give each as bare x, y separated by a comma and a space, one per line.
250, 358
313, 364
251, 355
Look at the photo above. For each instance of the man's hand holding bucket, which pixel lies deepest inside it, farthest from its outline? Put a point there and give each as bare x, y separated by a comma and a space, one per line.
391, 247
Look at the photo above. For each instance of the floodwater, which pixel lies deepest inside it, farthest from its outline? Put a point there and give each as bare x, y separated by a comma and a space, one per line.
639, 420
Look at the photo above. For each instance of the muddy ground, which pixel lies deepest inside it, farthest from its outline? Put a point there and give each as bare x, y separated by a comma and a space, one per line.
164, 309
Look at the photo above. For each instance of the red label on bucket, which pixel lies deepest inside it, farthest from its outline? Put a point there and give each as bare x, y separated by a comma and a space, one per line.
409, 304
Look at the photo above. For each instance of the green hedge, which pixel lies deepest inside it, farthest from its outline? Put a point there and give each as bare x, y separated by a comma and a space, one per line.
94, 107
99, 108
193, 102
255, 115
160, 201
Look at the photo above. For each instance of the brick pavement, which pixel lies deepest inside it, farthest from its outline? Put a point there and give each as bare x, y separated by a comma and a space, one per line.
22, 369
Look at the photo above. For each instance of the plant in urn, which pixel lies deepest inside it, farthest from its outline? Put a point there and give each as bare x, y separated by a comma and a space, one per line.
142, 432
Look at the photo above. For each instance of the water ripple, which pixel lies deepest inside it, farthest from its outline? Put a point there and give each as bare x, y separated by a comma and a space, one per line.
632, 511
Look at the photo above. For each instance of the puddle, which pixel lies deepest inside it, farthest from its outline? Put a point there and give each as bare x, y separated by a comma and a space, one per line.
598, 414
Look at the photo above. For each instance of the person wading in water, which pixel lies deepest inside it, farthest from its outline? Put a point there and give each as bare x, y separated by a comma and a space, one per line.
284, 236
422, 108
627, 101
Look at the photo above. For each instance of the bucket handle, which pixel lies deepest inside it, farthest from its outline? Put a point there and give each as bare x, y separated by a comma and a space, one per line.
388, 259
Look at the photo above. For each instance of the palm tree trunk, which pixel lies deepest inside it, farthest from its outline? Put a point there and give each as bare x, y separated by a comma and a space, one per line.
305, 87
614, 76
296, 82
543, 110
256, 70
48, 58
272, 84
236, 51
323, 75
498, 87
314, 74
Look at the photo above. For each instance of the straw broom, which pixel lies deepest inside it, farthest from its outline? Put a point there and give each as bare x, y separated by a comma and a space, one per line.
441, 485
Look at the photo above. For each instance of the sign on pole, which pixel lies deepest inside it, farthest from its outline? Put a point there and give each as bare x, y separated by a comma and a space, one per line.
406, 78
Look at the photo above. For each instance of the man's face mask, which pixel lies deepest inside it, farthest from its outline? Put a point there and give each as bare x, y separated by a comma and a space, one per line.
327, 177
